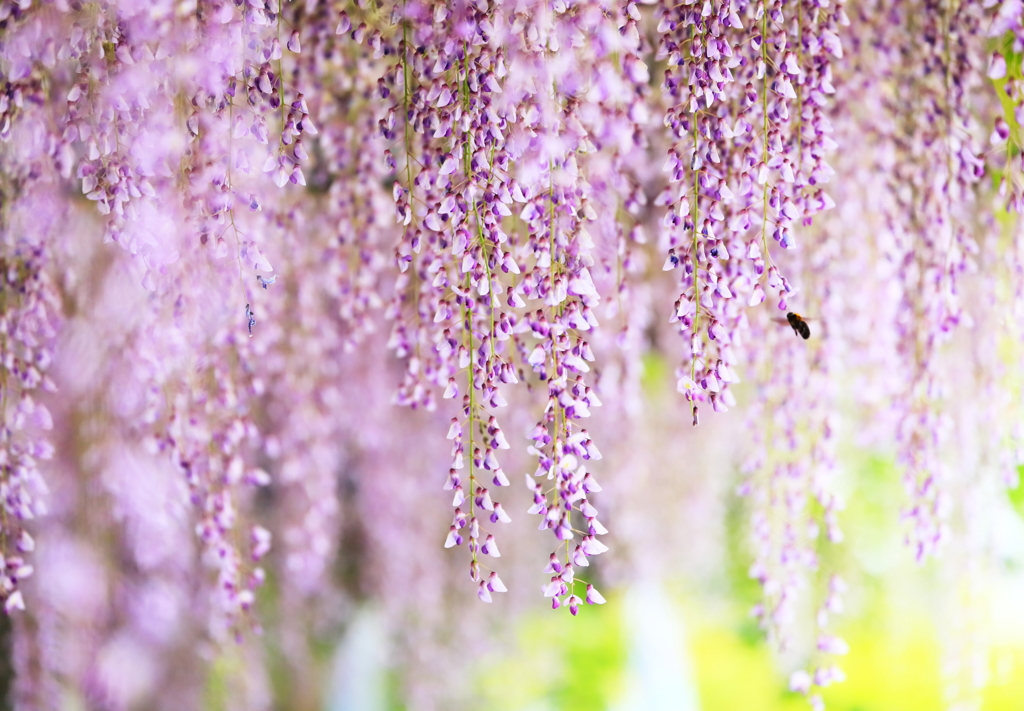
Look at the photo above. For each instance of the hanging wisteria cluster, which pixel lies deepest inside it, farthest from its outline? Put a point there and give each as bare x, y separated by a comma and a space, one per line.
344, 231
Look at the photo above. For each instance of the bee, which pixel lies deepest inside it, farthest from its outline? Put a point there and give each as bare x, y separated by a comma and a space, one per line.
799, 325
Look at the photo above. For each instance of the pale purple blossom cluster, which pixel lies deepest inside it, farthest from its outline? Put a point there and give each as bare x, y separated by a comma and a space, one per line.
932, 161
749, 85
495, 262
791, 476
27, 330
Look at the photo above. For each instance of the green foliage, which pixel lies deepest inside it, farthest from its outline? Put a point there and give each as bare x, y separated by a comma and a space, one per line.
656, 375
1016, 494
560, 662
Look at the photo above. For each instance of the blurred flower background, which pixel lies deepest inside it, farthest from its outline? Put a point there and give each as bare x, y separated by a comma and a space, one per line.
295, 297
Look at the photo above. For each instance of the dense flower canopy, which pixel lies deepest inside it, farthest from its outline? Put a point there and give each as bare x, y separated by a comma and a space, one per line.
261, 258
